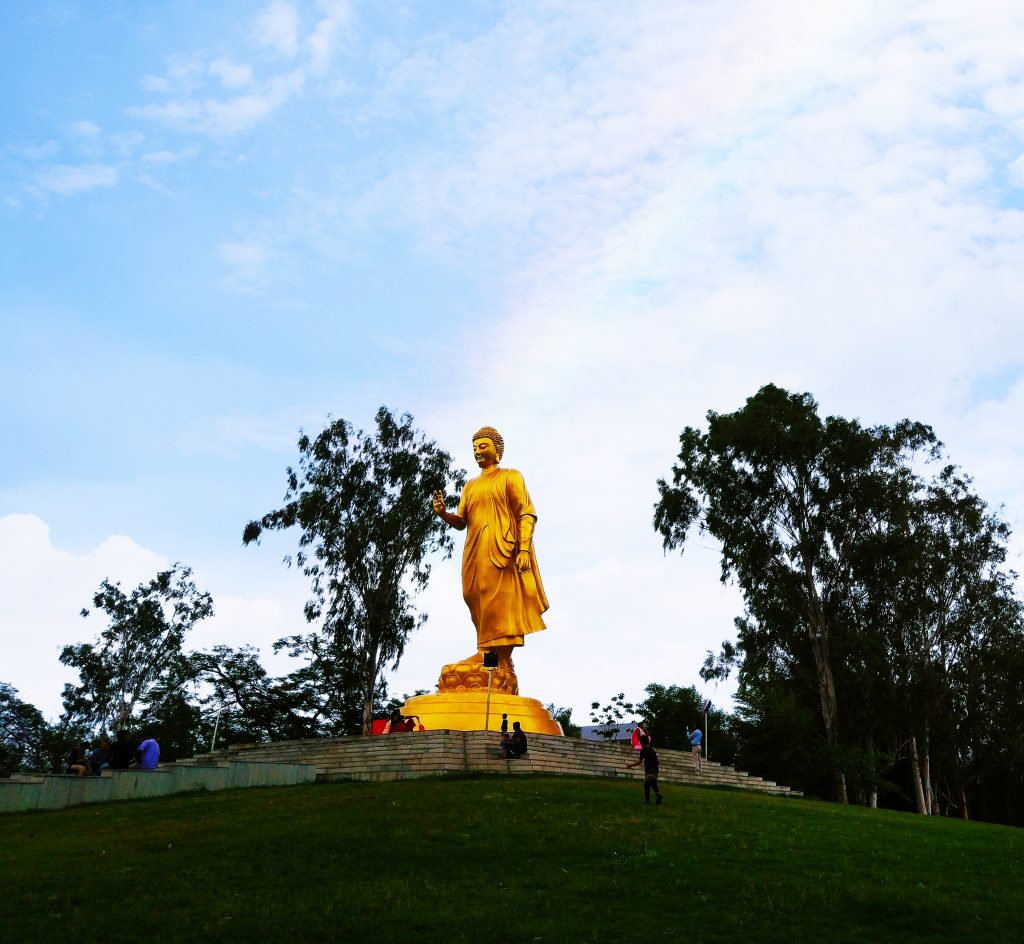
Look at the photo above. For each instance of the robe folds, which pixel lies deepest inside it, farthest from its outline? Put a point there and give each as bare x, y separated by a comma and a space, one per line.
504, 604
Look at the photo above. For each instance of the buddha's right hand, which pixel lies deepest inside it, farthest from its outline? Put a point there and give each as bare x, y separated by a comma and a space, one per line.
438, 503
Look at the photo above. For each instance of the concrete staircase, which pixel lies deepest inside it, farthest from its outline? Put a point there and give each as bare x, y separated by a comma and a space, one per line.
425, 753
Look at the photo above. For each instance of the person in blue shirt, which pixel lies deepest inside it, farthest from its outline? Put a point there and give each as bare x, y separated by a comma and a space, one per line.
148, 754
695, 739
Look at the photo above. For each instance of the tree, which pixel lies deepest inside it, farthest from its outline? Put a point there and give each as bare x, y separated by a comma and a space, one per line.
611, 715
253, 706
564, 717
137, 661
788, 495
952, 604
24, 734
362, 504
669, 711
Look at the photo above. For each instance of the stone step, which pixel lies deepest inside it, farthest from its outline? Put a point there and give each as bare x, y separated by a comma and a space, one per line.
425, 753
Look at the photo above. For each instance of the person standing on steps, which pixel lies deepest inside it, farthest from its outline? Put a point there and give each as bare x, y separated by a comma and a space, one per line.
695, 739
648, 756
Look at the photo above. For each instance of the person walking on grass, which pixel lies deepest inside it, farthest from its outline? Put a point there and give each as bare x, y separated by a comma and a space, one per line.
648, 756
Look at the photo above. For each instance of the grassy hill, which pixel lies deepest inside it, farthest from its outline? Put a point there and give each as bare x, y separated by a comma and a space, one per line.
501, 859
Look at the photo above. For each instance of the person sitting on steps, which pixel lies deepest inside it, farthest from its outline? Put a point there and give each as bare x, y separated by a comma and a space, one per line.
516, 745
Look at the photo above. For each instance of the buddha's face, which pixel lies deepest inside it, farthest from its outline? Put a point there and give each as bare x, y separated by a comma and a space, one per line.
485, 453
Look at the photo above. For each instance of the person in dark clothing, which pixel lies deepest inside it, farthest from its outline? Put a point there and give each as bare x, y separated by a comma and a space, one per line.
99, 759
78, 760
516, 745
504, 724
122, 752
648, 756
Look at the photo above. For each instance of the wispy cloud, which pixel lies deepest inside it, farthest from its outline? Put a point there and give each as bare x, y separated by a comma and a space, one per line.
326, 36
223, 117
231, 74
32, 151
246, 264
69, 179
84, 129
169, 157
277, 28
231, 435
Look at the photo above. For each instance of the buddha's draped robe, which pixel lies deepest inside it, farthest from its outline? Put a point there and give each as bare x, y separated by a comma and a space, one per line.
505, 605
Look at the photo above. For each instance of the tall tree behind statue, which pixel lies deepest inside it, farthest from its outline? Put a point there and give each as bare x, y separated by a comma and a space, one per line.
367, 536
878, 590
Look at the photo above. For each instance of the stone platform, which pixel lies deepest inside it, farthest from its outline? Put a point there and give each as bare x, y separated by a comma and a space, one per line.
412, 754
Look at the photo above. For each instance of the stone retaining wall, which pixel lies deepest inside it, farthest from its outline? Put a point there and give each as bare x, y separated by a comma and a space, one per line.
52, 792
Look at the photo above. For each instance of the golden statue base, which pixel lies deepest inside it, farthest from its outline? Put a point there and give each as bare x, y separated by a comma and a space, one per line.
469, 675
467, 711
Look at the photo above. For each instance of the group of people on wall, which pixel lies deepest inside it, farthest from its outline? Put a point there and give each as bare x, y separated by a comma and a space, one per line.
87, 759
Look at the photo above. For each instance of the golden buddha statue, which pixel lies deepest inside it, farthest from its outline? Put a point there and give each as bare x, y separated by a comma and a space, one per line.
502, 588
500, 580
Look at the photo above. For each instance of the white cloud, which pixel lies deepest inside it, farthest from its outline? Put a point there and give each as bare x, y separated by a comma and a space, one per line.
247, 264
43, 589
246, 257
231, 74
84, 129
69, 179
32, 151
224, 117
184, 74
169, 157
126, 142
324, 39
231, 435
277, 28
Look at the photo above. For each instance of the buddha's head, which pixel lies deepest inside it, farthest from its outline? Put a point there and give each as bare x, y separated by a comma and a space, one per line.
488, 447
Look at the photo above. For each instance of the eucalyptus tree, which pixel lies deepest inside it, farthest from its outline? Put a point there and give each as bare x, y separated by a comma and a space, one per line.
367, 534
136, 662
791, 497
953, 606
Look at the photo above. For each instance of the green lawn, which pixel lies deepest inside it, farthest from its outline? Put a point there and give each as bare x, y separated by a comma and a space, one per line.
503, 859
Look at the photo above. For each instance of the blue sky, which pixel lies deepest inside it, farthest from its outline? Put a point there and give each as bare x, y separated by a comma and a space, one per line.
584, 223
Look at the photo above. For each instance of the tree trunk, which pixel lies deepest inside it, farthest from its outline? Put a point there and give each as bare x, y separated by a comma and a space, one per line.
915, 769
963, 804
926, 777
873, 798
371, 684
817, 629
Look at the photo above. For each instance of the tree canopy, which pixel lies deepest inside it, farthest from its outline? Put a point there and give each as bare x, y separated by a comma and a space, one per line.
866, 583
137, 661
367, 534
